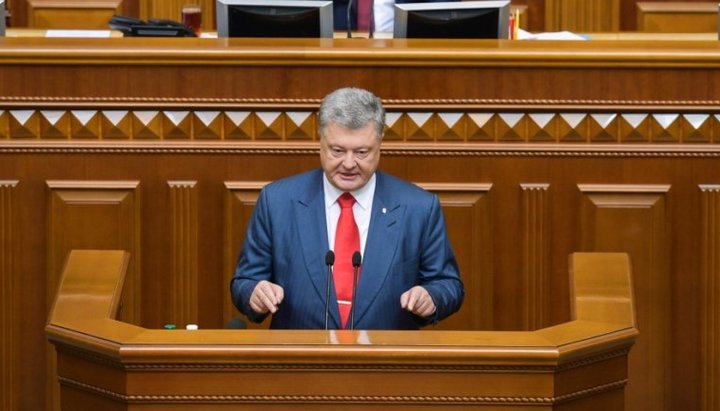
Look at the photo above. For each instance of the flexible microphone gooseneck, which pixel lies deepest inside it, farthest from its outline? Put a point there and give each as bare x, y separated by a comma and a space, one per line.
349, 22
371, 34
356, 258
329, 261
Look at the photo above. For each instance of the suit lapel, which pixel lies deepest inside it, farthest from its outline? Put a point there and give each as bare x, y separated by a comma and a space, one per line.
312, 231
380, 247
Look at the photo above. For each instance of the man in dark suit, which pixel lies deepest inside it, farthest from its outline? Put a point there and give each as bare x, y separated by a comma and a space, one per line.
408, 278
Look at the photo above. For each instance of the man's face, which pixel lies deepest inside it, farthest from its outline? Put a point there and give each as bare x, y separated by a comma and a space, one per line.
349, 157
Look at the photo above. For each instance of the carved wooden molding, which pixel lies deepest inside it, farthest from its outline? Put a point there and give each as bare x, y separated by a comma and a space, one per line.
240, 199
710, 298
9, 292
242, 366
535, 250
129, 103
388, 149
468, 205
183, 281
346, 399
424, 121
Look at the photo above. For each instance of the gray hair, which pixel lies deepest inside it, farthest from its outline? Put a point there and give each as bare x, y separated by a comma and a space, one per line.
351, 108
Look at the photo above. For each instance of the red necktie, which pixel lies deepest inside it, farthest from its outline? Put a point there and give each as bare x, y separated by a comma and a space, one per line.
363, 15
347, 241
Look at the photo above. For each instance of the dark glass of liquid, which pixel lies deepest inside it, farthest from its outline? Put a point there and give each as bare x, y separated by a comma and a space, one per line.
192, 17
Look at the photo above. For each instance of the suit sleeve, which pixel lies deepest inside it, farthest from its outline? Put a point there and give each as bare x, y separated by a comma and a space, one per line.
255, 261
439, 273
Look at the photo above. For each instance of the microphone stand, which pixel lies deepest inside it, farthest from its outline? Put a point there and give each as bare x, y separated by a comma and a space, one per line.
349, 24
329, 261
356, 265
372, 19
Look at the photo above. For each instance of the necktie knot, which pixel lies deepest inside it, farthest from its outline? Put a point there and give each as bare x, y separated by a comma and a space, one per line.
346, 200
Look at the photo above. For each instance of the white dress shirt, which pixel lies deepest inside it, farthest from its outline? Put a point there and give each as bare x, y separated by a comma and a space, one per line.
384, 12
361, 209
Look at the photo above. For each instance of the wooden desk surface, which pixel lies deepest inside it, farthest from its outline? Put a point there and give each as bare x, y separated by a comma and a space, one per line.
641, 51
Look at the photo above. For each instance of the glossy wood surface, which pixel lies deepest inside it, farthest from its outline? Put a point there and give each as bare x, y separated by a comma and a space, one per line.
535, 149
678, 17
104, 361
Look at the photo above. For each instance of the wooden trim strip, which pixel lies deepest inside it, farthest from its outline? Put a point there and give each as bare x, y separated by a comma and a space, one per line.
345, 399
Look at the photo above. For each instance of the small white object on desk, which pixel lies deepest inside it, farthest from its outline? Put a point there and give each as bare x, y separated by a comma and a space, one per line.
191, 327
553, 35
78, 33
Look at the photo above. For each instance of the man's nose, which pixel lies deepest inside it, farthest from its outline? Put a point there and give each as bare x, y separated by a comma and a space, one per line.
349, 160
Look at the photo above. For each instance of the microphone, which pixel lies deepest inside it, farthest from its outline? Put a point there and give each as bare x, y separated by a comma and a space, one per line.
329, 261
356, 265
349, 22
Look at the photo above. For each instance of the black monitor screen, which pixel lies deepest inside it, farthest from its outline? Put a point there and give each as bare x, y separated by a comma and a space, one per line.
2, 17
274, 22
452, 20
452, 24
296, 18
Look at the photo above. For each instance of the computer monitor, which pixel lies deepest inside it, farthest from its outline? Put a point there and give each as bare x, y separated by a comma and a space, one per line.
274, 18
2, 17
453, 20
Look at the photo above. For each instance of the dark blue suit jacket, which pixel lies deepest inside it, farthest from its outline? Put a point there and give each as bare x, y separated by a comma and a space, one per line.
340, 11
407, 245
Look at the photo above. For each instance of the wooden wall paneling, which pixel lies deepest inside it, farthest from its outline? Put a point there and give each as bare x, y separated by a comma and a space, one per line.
71, 14
468, 218
710, 298
633, 219
582, 15
240, 199
677, 16
95, 215
92, 215
19, 10
183, 236
535, 255
534, 16
172, 9
10, 307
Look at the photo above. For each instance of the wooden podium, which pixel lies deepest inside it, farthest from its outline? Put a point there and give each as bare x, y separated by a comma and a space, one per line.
106, 364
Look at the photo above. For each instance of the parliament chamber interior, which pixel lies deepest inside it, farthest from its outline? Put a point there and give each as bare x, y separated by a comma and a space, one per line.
579, 182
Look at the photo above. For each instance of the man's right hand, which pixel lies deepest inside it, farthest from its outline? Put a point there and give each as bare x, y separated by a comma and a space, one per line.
266, 297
